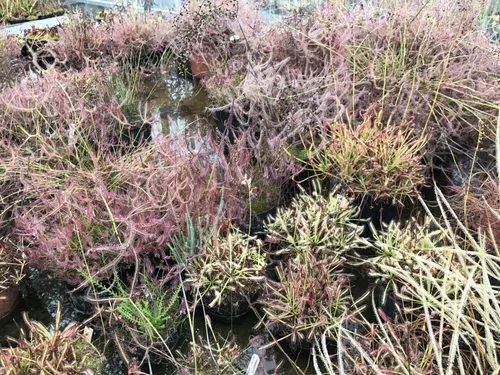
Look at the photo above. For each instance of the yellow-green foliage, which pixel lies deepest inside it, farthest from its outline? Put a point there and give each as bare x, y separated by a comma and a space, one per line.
228, 263
315, 224
49, 351
11, 264
374, 158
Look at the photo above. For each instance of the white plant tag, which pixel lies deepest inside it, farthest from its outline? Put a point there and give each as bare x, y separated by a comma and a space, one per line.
252, 366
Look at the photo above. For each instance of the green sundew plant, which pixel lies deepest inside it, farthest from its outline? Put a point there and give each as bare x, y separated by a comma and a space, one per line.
410, 247
317, 225
51, 350
400, 244
227, 264
308, 298
10, 10
458, 316
12, 264
213, 355
372, 158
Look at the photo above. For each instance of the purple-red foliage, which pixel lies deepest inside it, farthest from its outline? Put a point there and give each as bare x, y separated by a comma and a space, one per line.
84, 196
124, 37
428, 65
121, 207
11, 64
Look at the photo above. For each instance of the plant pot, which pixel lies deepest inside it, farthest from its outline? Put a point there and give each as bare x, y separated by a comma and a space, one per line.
376, 211
134, 347
258, 220
233, 307
9, 299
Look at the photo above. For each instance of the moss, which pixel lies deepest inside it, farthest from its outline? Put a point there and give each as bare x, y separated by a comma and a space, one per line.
86, 355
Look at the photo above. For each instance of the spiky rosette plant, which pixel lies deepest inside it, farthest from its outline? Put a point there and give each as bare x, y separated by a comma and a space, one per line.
227, 268
143, 312
372, 158
51, 350
307, 298
317, 225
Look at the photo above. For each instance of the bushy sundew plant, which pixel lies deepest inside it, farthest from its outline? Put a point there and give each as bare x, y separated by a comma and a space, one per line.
394, 346
10, 63
84, 191
405, 247
64, 113
11, 264
372, 158
402, 244
225, 265
134, 41
316, 225
424, 64
115, 207
477, 204
308, 298
212, 356
449, 315
12, 10
51, 350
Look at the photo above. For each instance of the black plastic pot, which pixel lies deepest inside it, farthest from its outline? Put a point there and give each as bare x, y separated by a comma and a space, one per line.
231, 308
258, 220
134, 346
376, 212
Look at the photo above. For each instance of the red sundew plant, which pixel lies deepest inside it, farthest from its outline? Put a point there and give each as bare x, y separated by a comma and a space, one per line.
307, 298
423, 64
113, 208
477, 205
62, 107
10, 63
129, 38
139, 36
80, 41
